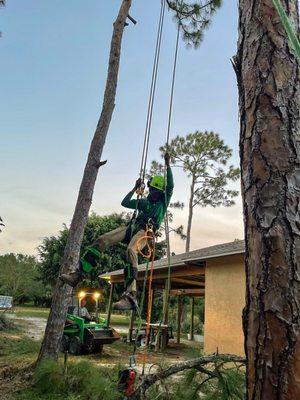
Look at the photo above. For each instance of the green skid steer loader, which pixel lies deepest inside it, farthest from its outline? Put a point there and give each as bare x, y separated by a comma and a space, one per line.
82, 337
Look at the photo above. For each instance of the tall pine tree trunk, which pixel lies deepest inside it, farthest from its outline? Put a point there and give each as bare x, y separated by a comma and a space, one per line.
62, 293
269, 90
190, 217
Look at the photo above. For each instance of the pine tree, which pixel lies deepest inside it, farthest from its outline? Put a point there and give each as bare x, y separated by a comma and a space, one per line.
269, 94
203, 156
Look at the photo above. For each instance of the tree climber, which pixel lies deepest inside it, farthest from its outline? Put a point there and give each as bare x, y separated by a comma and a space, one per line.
151, 209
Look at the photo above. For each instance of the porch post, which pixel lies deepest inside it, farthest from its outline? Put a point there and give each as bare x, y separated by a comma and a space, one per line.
112, 286
131, 323
192, 318
179, 311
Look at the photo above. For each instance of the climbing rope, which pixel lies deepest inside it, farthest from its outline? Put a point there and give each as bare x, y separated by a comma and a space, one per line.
167, 294
142, 173
151, 248
152, 91
148, 240
294, 41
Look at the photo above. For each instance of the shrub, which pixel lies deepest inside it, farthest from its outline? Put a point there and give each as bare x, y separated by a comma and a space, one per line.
82, 380
93, 382
198, 327
5, 323
49, 378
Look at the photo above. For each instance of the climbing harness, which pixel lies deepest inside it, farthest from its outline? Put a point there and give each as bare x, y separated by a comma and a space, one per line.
148, 238
294, 41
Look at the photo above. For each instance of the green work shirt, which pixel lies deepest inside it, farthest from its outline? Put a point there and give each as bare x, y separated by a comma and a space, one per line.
148, 210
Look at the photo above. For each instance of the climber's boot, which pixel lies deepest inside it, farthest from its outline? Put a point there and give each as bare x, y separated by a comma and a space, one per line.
73, 278
126, 303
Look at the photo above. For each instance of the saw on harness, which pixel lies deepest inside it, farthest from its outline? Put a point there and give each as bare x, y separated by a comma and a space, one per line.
126, 381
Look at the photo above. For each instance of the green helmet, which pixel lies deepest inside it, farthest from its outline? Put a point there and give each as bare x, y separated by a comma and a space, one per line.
157, 182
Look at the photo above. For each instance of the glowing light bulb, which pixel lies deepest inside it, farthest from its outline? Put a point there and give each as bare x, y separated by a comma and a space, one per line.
97, 295
81, 294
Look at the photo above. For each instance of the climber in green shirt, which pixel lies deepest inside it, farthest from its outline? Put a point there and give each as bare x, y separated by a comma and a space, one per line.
154, 206
151, 209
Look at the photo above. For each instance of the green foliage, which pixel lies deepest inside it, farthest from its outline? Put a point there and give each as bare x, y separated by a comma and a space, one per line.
20, 278
198, 327
194, 17
49, 378
203, 156
221, 384
94, 383
113, 258
29, 311
16, 348
52, 249
81, 380
230, 386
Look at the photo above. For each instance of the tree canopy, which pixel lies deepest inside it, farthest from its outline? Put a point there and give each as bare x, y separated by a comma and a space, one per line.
20, 278
113, 258
193, 18
203, 156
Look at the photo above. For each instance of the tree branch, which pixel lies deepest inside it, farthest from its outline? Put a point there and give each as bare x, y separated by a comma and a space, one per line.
197, 363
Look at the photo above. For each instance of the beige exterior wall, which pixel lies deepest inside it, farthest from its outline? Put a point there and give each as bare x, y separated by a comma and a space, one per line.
224, 302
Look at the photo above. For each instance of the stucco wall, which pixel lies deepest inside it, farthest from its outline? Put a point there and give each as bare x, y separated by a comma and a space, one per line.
224, 302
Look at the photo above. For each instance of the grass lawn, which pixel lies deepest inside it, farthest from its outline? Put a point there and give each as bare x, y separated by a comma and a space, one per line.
39, 312
17, 349
18, 353
25, 311
19, 380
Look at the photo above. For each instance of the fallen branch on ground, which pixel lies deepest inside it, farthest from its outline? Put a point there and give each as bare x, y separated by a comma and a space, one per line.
196, 363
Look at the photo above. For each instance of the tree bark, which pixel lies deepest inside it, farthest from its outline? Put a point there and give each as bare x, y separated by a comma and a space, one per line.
269, 95
190, 217
62, 292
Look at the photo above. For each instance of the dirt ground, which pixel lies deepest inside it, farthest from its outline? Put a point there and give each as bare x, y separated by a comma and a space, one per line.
119, 352
15, 371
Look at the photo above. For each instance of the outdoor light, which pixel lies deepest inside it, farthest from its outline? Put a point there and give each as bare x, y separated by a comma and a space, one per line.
81, 294
97, 295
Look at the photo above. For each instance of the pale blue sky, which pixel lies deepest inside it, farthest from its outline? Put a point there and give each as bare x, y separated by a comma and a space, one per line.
52, 71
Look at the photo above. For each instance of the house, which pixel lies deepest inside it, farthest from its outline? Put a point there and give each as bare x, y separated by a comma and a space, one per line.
216, 273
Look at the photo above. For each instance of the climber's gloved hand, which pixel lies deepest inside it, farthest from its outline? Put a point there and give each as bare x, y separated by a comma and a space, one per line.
138, 184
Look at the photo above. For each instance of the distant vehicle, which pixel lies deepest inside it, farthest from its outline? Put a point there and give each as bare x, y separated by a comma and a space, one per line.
6, 302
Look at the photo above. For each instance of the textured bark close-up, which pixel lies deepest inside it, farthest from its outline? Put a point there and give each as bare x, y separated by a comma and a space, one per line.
269, 96
62, 292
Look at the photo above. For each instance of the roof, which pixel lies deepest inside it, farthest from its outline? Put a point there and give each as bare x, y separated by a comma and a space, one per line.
191, 257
